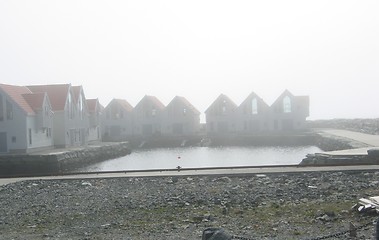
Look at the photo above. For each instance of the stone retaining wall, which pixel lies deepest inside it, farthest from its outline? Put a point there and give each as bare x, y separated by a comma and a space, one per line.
328, 142
58, 162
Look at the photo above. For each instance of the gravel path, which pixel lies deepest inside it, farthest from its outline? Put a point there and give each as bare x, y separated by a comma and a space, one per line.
271, 206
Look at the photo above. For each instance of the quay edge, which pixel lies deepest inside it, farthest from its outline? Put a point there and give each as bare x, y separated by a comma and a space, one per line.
55, 162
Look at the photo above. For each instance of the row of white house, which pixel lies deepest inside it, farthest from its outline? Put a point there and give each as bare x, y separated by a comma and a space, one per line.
40, 117
46, 116
180, 118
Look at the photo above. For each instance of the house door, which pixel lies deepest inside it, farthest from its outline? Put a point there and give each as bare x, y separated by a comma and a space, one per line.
3, 142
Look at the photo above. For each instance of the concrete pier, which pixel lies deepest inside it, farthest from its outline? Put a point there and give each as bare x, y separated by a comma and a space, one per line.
56, 161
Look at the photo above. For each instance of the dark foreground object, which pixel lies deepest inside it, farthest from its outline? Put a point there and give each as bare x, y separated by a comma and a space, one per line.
215, 234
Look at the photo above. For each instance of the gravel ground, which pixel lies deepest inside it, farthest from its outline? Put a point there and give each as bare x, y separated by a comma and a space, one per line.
271, 206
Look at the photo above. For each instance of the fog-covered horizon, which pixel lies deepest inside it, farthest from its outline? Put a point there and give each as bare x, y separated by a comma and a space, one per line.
327, 50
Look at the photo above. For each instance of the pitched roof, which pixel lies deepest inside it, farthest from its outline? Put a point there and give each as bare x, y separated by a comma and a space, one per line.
35, 100
185, 102
279, 99
76, 92
254, 95
57, 94
123, 103
154, 100
221, 97
16, 94
92, 104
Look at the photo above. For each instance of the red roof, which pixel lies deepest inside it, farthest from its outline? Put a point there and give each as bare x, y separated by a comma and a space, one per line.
57, 94
35, 100
16, 94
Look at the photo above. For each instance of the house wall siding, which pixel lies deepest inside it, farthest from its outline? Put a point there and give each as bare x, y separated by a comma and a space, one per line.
16, 130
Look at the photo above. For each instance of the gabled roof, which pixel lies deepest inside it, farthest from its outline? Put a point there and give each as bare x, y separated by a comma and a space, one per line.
254, 95
76, 91
93, 104
221, 98
16, 94
184, 102
154, 100
122, 103
279, 99
35, 100
57, 94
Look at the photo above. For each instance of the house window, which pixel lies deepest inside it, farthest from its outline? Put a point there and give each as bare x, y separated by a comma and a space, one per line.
81, 107
30, 136
153, 112
1, 108
224, 107
184, 111
287, 104
9, 108
254, 106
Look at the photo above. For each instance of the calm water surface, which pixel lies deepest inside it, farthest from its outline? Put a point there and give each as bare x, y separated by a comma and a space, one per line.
205, 157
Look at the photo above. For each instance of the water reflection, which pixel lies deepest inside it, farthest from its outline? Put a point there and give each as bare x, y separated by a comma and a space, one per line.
194, 157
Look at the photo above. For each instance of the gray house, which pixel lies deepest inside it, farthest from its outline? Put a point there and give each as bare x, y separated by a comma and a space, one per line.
289, 112
221, 116
117, 120
253, 115
180, 118
26, 120
147, 117
94, 111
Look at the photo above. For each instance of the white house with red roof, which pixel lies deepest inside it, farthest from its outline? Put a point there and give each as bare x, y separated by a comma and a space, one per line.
26, 120
70, 119
117, 120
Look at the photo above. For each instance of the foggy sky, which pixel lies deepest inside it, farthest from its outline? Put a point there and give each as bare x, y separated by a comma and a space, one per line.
328, 50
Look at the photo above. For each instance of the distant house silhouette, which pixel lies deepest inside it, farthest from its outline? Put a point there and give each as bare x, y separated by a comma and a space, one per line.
289, 112
180, 118
253, 115
117, 120
221, 116
147, 115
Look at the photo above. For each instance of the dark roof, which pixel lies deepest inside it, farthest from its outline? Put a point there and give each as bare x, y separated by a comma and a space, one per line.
279, 99
254, 95
57, 94
221, 97
123, 103
154, 100
16, 94
185, 102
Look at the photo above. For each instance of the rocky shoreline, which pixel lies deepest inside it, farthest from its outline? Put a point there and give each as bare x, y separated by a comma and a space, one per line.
263, 206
